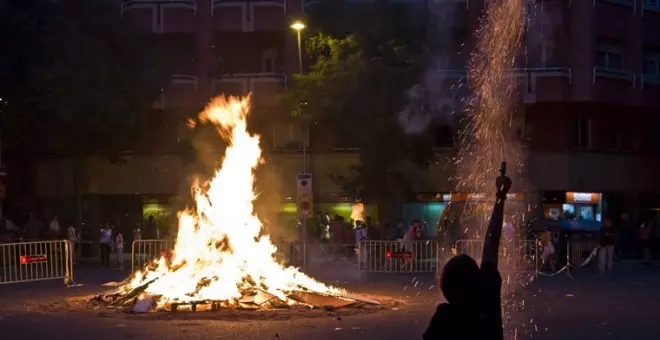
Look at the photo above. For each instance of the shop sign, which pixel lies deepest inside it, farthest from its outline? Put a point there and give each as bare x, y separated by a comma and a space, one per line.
582, 197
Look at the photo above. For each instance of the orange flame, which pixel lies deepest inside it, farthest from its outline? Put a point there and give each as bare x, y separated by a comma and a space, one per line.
221, 249
357, 212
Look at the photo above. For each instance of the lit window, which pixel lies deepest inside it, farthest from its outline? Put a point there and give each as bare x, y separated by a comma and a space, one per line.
609, 56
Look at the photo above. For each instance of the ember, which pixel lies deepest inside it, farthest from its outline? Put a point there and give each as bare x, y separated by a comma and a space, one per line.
223, 258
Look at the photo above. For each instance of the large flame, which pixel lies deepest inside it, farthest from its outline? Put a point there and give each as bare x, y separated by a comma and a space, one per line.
221, 249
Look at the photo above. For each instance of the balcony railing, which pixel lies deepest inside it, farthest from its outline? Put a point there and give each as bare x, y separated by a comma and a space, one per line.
650, 5
177, 79
528, 77
265, 87
605, 72
649, 79
230, 3
133, 4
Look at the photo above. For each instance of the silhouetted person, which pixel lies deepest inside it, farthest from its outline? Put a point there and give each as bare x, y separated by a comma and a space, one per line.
473, 308
151, 228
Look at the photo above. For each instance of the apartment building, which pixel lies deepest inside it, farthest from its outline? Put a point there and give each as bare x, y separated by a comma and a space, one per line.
589, 98
589, 90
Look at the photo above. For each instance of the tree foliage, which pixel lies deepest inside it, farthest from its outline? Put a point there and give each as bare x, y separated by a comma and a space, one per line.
73, 80
357, 83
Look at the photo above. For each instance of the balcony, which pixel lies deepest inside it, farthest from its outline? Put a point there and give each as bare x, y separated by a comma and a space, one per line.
536, 84
160, 16
265, 87
179, 94
650, 90
547, 84
613, 85
249, 15
593, 172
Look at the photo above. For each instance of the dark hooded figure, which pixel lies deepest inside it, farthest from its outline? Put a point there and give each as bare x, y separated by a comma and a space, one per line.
473, 309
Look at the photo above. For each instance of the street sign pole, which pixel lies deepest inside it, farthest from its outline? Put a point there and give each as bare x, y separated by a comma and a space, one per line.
304, 189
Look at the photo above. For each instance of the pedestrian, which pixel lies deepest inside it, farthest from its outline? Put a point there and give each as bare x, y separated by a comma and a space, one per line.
606, 251
151, 228
33, 228
72, 236
54, 228
119, 247
547, 250
645, 241
105, 240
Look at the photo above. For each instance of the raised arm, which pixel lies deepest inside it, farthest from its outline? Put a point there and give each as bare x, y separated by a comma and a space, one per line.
494, 231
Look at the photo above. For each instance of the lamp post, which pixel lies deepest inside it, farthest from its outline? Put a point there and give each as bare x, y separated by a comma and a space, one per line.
298, 26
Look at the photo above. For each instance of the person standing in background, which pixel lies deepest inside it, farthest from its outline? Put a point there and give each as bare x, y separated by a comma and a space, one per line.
119, 247
33, 228
151, 228
607, 242
105, 240
54, 228
72, 236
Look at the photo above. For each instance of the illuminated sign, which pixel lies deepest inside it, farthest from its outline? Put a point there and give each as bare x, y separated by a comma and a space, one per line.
582, 197
27, 259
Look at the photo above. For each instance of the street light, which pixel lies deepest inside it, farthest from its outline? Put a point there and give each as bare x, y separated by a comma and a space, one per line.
298, 26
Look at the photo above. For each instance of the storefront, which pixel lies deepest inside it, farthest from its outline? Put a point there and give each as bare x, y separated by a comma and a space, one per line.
453, 210
573, 206
288, 214
429, 208
163, 212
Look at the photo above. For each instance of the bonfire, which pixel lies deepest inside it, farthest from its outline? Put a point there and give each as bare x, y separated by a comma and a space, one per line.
223, 257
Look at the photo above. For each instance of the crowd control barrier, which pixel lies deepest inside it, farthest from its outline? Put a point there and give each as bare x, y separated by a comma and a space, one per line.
144, 252
36, 261
514, 255
375, 256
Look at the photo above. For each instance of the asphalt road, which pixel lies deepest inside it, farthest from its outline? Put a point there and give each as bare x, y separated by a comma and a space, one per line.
622, 306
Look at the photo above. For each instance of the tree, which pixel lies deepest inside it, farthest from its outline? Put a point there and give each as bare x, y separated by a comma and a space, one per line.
357, 83
74, 81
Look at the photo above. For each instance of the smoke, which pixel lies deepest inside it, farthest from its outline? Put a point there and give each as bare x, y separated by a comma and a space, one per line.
432, 99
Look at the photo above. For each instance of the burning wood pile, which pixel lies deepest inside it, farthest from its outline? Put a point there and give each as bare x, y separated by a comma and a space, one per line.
137, 301
223, 258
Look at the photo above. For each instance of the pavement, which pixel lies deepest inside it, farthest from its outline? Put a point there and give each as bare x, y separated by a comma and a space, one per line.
624, 305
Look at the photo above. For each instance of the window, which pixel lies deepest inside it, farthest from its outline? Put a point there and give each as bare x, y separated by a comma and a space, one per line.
609, 56
444, 136
289, 136
652, 4
268, 60
345, 141
652, 64
583, 133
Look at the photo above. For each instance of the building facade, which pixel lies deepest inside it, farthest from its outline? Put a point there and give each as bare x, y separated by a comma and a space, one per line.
589, 97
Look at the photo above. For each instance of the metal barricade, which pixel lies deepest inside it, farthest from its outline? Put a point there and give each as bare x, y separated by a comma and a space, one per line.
146, 251
514, 256
397, 256
36, 261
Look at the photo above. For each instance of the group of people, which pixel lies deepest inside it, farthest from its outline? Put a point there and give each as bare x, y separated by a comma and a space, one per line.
111, 240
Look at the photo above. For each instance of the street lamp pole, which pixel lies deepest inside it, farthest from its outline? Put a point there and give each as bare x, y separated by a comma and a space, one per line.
298, 26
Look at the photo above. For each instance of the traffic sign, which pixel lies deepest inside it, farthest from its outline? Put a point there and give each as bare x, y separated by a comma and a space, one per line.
304, 184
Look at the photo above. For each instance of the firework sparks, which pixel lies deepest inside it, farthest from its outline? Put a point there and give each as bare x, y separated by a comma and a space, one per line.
487, 137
